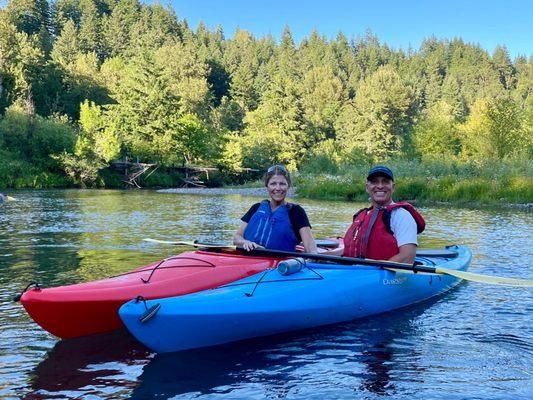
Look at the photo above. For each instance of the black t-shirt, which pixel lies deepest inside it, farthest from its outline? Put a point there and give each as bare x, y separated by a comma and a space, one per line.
297, 216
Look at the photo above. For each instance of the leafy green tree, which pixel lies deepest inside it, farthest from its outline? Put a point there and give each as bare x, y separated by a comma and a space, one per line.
95, 142
23, 69
231, 157
436, 135
526, 131
504, 127
492, 130
35, 138
378, 121
186, 75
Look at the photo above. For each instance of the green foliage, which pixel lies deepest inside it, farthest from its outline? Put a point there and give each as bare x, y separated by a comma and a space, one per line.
35, 138
274, 132
490, 182
82, 171
95, 141
493, 130
231, 157
378, 121
436, 133
132, 79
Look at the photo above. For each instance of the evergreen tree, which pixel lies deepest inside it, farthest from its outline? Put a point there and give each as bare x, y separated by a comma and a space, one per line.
524, 80
505, 68
66, 47
186, 74
451, 94
32, 17
155, 27
346, 66
118, 26
274, 132
321, 102
90, 29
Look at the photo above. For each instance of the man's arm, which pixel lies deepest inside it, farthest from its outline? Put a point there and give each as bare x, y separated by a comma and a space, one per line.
404, 227
406, 255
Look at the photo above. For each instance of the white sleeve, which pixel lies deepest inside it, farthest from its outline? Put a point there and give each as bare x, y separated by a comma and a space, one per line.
403, 225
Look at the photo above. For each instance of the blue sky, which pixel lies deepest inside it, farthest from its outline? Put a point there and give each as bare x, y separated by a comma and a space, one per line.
399, 23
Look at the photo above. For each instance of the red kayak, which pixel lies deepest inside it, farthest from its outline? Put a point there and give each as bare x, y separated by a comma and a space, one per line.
89, 308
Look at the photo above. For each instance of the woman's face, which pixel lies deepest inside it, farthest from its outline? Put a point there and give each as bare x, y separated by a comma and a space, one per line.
277, 188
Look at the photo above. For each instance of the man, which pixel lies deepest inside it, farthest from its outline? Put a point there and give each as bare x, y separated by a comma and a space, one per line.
386, 230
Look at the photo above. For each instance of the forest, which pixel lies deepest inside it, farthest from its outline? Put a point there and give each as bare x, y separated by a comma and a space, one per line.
86, 82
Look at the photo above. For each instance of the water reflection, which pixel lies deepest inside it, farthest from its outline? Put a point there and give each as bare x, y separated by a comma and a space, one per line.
108, 361
359, 356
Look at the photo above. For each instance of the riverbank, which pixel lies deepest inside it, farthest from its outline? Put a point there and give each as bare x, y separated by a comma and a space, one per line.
242, 191
474, 185
516, 192
294, 193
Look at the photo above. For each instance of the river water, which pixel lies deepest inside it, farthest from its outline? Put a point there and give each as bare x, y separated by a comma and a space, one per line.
475, 342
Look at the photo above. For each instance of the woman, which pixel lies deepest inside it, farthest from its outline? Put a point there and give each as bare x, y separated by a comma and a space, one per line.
275, 224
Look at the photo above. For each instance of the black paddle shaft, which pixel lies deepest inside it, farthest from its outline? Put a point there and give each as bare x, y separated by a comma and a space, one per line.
341, 260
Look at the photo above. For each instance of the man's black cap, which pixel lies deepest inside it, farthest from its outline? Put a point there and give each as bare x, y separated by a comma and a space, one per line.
380, 170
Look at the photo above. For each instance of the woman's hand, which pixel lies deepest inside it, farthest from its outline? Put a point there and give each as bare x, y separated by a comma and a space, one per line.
248, 245
239, 240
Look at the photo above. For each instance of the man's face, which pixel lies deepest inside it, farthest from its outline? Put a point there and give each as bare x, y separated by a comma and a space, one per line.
380, 189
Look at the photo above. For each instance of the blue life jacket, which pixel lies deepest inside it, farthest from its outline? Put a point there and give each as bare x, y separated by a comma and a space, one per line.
272, 230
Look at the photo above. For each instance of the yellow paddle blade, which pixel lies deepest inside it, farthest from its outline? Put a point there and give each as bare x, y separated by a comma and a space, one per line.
9, 198
494, 280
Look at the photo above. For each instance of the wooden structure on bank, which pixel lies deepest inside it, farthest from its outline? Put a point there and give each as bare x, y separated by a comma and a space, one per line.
193, 176
134, 170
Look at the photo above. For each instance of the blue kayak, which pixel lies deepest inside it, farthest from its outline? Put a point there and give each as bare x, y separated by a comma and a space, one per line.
269, 303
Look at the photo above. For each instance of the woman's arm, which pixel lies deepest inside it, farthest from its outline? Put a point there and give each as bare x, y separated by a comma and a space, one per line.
239, 240
308, 239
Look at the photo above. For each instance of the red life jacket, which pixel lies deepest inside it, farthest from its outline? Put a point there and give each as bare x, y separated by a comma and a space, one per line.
378, 242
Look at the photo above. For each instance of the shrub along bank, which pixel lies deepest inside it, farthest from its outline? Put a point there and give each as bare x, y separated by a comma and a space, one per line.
489, 182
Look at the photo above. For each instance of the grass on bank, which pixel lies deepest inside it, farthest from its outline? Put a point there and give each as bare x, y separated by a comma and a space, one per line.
490, 182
